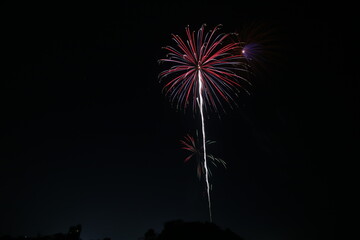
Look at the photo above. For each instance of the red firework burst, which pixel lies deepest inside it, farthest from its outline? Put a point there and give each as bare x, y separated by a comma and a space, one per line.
213, 57
190, 144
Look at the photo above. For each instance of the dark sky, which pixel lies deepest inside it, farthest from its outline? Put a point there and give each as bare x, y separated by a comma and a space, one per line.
87, 137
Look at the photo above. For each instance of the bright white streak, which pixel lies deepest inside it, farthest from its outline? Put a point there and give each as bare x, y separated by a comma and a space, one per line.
204, 141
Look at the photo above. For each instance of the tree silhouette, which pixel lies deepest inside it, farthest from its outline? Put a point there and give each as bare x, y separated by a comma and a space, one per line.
179, 230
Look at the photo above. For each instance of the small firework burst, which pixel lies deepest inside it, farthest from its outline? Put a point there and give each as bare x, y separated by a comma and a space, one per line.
193, 145
260, 46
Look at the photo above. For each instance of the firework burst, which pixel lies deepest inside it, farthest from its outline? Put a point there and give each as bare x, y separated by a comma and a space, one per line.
205, 73
213, 57
260, 46
192, 145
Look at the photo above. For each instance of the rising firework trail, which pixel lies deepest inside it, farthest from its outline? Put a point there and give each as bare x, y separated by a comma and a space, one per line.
203, 76
201, 106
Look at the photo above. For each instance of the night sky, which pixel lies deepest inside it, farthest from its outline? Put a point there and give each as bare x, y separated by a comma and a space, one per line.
87, 137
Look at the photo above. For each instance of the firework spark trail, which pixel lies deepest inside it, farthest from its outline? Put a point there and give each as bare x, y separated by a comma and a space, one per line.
204, 141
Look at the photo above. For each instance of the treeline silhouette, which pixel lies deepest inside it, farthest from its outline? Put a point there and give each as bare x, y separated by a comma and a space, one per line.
179, 230
173, 230
73, 234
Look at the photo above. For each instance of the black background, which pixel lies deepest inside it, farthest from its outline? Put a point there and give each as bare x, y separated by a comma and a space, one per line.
87, 137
